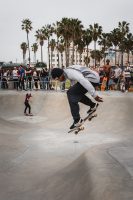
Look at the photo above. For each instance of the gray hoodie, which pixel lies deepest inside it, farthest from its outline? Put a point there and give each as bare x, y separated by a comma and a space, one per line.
84, 76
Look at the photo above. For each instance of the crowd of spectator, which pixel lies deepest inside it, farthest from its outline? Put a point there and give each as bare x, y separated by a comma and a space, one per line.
26, 78
118, 78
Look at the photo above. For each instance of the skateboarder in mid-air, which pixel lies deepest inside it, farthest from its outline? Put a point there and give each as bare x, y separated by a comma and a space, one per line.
27, 105
86, 81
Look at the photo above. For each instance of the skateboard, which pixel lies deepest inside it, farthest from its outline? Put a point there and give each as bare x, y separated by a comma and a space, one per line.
77, 129
104, 82
28, 114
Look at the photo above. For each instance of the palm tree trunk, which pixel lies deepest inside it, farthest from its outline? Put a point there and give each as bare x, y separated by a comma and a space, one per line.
58, 52
87, 54
76, 57
80, 58
73, 54
61, 59
68, 54
41, 54
35, 57
115, 55
94, 53
28, 47
48, 55
121, 58
51, 58
128, 56
23, 57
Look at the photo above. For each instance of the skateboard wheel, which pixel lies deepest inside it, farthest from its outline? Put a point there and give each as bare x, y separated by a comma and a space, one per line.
82, 128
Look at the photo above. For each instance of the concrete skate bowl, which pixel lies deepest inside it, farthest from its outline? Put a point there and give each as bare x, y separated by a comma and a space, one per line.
39, 160
44, 107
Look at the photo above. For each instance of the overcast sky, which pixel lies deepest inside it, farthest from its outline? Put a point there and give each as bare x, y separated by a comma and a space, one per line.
42, 12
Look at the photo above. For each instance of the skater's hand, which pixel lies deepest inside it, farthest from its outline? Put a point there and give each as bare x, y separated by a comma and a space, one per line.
99, 99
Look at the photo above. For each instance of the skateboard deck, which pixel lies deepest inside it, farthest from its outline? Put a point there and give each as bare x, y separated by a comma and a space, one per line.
28, 114
77, 129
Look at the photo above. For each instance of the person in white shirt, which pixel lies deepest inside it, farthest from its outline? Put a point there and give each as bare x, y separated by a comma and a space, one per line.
127, 75
35, 78
86, 81
117, 73
5, 79
15, 77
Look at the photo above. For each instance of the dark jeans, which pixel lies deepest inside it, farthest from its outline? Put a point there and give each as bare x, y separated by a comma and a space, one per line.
15, 81
21, 83
127, 83
28, 83
27, 105
75, 95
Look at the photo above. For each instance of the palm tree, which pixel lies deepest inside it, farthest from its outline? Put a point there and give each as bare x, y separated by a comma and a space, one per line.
97, 55
61, 49
24, 47
34, 49
64, 31
76, 29
128, 42
114, 38
81, 46
86, 60
27, 26
87, 38
48, 31
95, 32
40, 37
123, 30
56, 30
52, 45
105, 43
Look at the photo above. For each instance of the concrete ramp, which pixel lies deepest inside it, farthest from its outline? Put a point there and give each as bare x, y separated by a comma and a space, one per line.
94, 175
40, 160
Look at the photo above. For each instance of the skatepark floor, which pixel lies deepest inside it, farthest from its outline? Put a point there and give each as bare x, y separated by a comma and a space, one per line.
39, 160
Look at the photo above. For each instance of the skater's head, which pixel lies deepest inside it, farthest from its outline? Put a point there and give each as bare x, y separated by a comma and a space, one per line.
29, 95
58, 74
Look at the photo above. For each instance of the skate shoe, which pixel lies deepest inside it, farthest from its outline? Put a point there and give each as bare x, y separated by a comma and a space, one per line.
30, 114
76, 124
93, 109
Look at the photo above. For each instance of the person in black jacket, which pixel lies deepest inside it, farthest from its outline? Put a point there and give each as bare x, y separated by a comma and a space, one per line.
27, 105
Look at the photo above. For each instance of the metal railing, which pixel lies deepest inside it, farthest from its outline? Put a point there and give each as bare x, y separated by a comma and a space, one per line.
32, 85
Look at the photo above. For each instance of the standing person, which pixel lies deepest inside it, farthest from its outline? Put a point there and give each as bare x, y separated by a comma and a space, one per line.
106, 70
28, 73
5, 79
15, 77
27, 105
44, 78
117, 75
21, 73
87, 80
127, 75
35, 78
